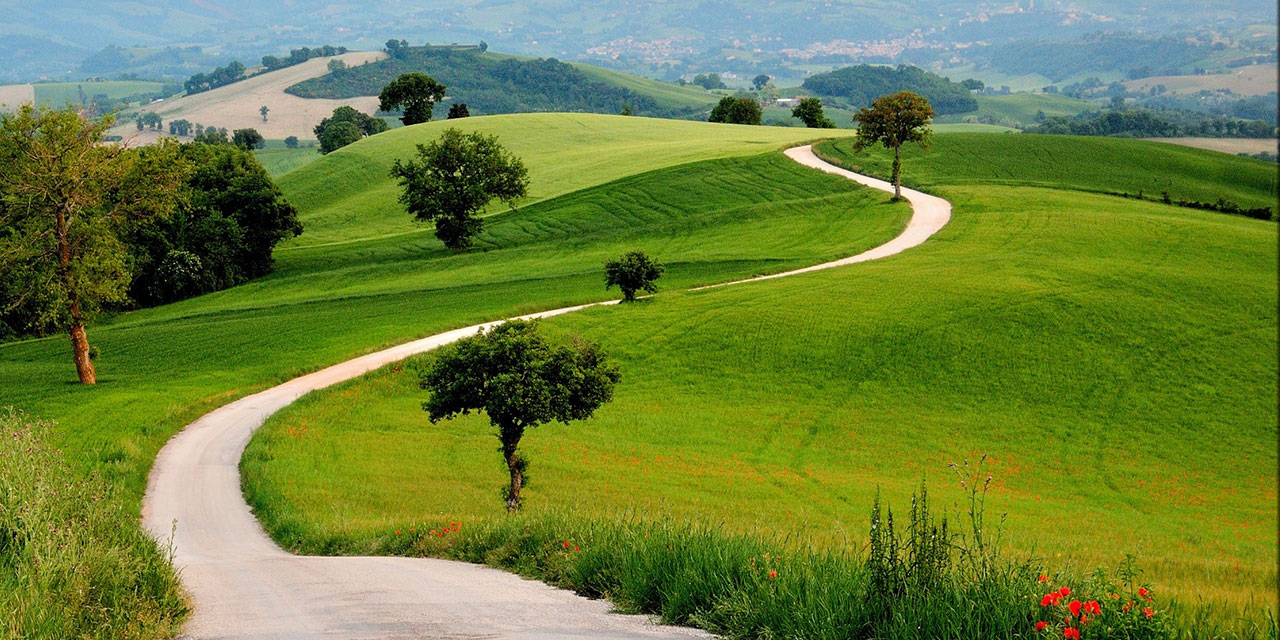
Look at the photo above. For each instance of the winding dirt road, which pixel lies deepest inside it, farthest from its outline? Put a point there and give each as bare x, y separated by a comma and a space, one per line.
246, 587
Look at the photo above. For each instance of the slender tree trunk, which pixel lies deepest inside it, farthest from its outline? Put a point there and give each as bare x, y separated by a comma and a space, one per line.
517, 479
80, 350
897, 171
79, 339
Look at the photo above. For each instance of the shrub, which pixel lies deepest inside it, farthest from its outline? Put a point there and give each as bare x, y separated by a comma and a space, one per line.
73, 561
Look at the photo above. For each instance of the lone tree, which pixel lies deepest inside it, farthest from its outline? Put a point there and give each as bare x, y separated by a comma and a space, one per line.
520, 381
454, 177
634, 271
739, 110
760, 81
264, 110
416, 93
248, 139
810, 112
291, 142
64, 199
458, 110
893, 121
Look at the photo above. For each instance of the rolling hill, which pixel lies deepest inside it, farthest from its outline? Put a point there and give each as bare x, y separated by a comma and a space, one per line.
235, 106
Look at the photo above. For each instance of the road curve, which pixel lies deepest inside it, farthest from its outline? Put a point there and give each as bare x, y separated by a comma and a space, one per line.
245, 587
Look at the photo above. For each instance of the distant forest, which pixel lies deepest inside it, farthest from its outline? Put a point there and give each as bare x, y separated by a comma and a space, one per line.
489, 83
1140, 56
860, 84
1147, 123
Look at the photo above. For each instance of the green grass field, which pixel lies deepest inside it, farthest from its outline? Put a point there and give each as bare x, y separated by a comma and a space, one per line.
1075, 162
279, 160
59, 94
1020, 108
667, 93
717, 220
1115, 358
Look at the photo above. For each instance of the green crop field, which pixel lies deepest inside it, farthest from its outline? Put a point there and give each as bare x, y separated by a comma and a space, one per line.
59, 94
1115, 358
280, 160
1020, 108
716, 220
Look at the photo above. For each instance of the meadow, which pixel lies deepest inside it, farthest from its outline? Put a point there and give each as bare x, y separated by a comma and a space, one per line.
162, 367
1114, 358
60, 94
1020, 108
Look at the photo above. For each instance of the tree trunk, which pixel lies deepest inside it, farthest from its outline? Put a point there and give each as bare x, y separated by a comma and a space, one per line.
897, 171
80, 353
517, 480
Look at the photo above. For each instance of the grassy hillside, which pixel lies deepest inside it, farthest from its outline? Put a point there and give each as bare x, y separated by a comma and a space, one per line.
719, 219
279, 161
1115, 358
1073, 162
1019, 109
498, 83
59, 94
351, 196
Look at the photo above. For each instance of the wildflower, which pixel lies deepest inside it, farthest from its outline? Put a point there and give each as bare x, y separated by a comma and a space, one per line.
1071, 634
1046, 600
566, 544
397, 532
432, 532
1065, 591
1093, 607
1115, 596
1044, 578
1040, 626
575, 548
773, 574
1075, 607
1148, 612
1142, 591
1127, 605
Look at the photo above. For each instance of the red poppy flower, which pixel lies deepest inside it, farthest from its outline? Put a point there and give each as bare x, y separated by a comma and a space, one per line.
1070, 634
397, 532
1093, 607
1046, 600
1065, 591
1041, 625
575, 548
773, 574
1044, 578
1148, 611
1075, 607
566, 544
1142, 591
1127, 605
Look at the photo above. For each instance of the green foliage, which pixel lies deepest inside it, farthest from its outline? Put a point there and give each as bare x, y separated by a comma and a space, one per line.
1102, 51
416, 94
1163, 123
894, 120
229, 220
458, 110
291, 142
709, 81
809, 111
219, 77
64, 199
212, 136
633, 271
520, 381
346, 126
73, 561
492, 83
862, 84
455, 177
248, 139
760, 81
736, 110
301, 55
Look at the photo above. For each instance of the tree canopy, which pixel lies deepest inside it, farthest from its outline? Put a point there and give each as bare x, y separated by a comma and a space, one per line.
64, 199
248, 139
859, 85
633, 271
810, 112
333, 137
893, 121
520, 381
453, 178
737, 110
415, 93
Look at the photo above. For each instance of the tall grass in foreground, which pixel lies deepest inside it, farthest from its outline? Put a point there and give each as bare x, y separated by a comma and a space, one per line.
920, 580
73, 561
